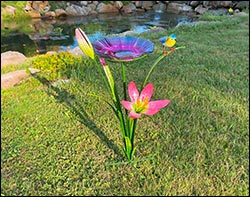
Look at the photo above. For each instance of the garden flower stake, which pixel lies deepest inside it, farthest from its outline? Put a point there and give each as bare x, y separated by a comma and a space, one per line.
125, 49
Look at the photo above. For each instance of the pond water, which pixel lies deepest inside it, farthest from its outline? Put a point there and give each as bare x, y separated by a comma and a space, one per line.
40, 36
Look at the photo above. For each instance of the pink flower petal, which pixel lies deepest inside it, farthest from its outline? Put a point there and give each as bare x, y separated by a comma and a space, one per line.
133, 114
132, 91
127, 105
155, 106
147, 92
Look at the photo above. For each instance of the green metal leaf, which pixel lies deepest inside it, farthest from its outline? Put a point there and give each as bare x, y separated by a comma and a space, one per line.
128, 147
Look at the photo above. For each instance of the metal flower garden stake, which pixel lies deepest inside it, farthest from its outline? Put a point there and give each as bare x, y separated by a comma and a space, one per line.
125, 49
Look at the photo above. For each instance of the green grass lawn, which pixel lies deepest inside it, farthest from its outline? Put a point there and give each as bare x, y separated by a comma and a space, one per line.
57, 140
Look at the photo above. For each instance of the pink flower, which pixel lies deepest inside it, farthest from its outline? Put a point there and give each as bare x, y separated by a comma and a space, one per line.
141, 104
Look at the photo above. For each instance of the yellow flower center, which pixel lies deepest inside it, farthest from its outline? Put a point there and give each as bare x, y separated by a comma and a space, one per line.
140, 106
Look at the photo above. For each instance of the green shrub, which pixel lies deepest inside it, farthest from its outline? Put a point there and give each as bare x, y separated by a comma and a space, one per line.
19, 16
212, 17
57, 66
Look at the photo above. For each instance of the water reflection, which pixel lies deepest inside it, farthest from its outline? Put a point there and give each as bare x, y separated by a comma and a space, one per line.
56, 35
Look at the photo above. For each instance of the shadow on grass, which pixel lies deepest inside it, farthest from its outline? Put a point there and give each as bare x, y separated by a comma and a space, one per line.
69, 100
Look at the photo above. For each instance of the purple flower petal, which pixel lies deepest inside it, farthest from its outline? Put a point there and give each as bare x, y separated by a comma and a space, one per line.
125, 48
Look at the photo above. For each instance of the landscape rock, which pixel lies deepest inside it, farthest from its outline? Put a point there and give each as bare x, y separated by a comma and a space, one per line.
220, 4
178, 8
138, 4
242, 5
60, 13
12, 58
10, 10
129, 8
50, 15
240, 13
118, 4
84, 3
200, 9
159, 6
83, 8
103, 8
35, 8
70, 10
83, 11
194, 3
92, 7
147, 5
13, 78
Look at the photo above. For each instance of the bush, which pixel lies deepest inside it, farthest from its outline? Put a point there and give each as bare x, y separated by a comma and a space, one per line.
19, 16
57, 66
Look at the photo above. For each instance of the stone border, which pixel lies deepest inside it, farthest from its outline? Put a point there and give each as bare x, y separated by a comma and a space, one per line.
84, 8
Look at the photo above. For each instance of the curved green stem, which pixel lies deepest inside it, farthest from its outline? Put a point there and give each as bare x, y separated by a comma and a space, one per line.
132, 127
124, 81
102, 75
151, 70
109, 82
156, 62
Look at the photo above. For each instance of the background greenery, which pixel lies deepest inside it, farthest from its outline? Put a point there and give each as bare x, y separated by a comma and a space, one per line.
20, 16
58, 140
